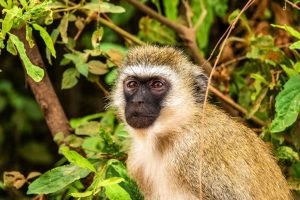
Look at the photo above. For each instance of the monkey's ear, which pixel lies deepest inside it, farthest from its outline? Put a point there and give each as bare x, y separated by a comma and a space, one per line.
200, 86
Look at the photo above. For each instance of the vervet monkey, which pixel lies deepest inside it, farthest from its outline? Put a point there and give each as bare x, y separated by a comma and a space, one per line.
180, 151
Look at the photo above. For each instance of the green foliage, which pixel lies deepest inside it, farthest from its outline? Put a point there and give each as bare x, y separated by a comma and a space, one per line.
204, 13
102, 145
153, 31
171, 8
35, 72
287, 105
56, 179
46, 37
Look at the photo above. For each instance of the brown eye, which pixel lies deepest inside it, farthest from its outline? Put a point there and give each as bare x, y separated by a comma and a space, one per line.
132, 84
157, 84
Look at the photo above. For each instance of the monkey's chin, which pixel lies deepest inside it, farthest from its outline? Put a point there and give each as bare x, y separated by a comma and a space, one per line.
140, 122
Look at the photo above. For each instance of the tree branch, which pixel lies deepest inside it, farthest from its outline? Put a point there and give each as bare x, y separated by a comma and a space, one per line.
187, 34
44, 92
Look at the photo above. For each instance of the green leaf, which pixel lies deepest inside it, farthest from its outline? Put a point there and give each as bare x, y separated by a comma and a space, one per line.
83, 69
54, 36
69, 78
297, 67
7, 22
46, 37
56, 179
116, 192
79, 59
202, 33
287, 105
10, 47
63, 28
35, 72
93, 144
289, 29
82, 194
3, 4
233, 15
111, 77
89, 128
23, 3
29, 36
103, 7
76, 158
295, 45
97, 67
153, 31
287, 153
111, 181
97, 37
289, 71
170, 7
82, 120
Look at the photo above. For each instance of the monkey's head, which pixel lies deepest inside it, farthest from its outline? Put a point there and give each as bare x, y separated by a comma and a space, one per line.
157, 85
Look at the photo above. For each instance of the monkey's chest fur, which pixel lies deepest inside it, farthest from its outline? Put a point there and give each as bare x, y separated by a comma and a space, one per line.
157, 173
229, 164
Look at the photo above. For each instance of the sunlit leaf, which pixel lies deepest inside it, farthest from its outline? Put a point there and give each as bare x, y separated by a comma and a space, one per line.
54, 36
76, 158
89, 128
14, 178
82, 194
79, 23
63, 28
69, 78
97, 67
111, 181
111, 77
103, 7
35, 72
23, 3
287, 105
289, 29
7, 22
116, 192
171, 9
3, 3
289, 71
287, 153
97, 37
46, 37
32, 175
295, 45
56, 179
10, 47
29, 36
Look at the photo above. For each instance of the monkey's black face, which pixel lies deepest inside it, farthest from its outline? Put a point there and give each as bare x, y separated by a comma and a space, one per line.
144, 97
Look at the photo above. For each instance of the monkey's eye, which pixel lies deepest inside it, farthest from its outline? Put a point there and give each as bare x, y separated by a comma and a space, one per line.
156, 84
132, 84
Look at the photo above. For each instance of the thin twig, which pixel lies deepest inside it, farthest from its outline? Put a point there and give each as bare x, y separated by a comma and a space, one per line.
106, 93
188, 13
229, 101
121, 31
186, 34
202, 16
227, 34
292, 4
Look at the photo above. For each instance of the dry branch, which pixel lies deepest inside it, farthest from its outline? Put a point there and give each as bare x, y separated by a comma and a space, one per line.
44, 92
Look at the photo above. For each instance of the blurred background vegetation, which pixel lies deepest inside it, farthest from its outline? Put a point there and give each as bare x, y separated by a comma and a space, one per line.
81, 45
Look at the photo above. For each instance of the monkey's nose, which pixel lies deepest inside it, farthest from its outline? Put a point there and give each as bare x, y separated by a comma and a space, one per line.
138, 102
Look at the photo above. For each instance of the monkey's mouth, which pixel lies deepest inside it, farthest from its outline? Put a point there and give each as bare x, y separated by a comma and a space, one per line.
139, 120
